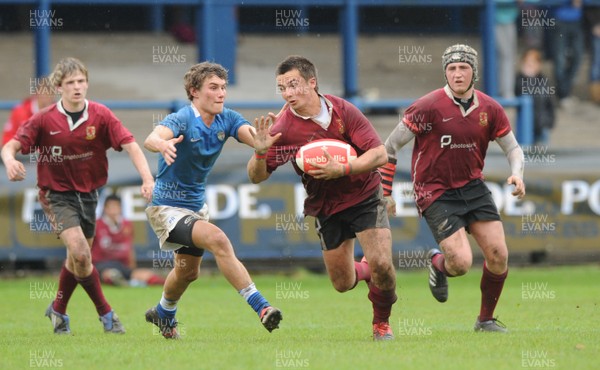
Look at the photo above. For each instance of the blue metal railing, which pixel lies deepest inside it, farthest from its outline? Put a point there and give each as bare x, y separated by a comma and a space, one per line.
217, 31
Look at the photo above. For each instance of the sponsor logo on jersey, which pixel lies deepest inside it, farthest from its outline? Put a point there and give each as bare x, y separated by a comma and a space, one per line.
446, 141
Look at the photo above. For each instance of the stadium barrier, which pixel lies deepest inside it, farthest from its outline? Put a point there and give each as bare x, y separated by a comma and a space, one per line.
559, 216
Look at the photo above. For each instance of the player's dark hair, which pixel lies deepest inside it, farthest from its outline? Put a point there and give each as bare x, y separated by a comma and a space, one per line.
304, 66
195, 77
112, 197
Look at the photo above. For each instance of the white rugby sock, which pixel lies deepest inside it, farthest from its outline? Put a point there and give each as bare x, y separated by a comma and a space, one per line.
168, 304
248, 291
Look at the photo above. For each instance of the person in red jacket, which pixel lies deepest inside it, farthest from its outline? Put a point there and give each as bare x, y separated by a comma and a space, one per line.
113, 253
42, 98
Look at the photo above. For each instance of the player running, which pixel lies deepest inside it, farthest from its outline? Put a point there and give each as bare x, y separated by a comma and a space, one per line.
190, 142
346, 200
452, 127
70, 139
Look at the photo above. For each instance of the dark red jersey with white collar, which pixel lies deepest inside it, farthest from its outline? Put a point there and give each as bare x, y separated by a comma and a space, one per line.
71, 156
450, 143
327, 197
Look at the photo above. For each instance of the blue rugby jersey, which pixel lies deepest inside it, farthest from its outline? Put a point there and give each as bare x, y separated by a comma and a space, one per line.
183, 183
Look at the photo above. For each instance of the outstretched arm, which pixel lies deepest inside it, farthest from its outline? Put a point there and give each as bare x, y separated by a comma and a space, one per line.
516, 159
161, 141
139, 161
263, 140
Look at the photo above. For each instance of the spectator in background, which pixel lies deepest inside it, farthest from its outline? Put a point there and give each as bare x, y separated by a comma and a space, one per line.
567, 45
593, 17
113, 253
507, 12
533, 21
531, 81
43, 97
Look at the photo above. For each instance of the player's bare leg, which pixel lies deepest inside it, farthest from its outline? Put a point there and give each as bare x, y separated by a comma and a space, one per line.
490, 237
458, 257
79, 264
185, 270
79, 256
208, 236
377, 245
339, 263
455, 260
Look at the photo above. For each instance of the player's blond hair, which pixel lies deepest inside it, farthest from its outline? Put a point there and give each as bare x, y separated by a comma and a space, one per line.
198, 73
66, 67
304, 66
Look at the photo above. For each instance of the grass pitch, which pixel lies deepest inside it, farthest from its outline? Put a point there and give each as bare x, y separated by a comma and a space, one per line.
552, 314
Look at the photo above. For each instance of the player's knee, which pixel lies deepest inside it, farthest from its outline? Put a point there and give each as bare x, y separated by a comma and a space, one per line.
81, 258
384, 276
459, 266
343, 284
220, 246
498, 257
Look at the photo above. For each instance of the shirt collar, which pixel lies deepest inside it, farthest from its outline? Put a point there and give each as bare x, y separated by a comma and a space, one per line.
473, 106
82, 119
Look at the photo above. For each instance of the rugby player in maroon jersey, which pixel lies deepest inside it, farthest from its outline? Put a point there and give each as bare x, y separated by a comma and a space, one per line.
346, 200
70, 139
452, 127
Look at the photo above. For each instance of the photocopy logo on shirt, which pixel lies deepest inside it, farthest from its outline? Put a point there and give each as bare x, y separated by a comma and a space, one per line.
446, 141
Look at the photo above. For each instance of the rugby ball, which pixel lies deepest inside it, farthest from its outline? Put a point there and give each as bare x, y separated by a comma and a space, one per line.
312, 153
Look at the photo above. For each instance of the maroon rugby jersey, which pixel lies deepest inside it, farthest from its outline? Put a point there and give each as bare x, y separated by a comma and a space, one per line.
327, 197
113, 242
450, 144
72, 156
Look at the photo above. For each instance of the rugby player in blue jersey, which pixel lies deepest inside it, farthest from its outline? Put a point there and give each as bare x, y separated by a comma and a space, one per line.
190, 142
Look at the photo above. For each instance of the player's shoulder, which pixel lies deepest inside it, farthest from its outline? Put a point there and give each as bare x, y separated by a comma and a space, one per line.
181, 116
429, 100
97, 107
485, 99
336, 100
229, 114
340, 103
